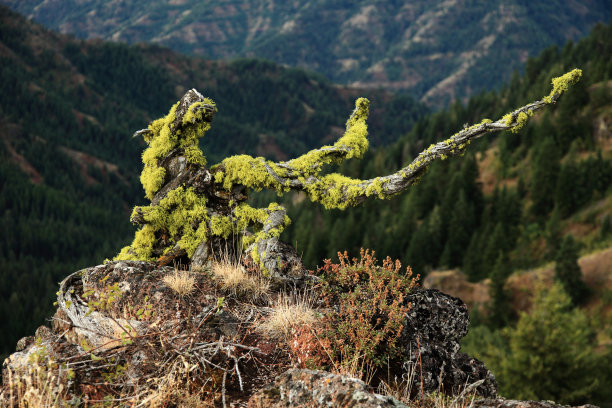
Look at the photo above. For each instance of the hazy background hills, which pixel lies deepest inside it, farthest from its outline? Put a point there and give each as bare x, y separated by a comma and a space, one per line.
438, 50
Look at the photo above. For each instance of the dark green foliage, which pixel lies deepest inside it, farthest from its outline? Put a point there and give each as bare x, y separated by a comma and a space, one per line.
551, 350
551, 354
553, 233
123, 72
460, 228
544, 176
568, 272
579, 181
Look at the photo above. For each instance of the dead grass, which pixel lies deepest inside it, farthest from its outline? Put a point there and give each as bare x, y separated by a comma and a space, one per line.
288, 313
42, 388
407, 390
37, 387
171, 389
236, 280
181, 281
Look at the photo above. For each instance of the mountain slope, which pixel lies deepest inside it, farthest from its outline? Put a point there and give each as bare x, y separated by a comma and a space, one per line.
438, 50
515, 193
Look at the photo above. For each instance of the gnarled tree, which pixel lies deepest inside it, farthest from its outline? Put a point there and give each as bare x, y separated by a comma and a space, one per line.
197, 211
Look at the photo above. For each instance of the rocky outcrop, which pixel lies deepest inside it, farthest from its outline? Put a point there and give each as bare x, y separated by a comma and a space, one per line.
300, 388
122, 333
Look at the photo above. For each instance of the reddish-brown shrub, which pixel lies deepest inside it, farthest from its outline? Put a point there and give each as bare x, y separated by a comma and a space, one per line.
365, 309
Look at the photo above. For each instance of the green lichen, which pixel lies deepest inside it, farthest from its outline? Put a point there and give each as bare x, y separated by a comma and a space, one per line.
354, 142
221, 226
248, 171
375, 188
163, 138
141, 248
521, 119
562, 83
181, 217
253, 172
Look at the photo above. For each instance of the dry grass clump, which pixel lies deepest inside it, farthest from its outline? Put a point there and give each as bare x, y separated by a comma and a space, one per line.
288, 314
235, 279
181, 281
172, 390
39, 386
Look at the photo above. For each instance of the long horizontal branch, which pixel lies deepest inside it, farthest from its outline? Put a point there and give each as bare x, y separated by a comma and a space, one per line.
335, 191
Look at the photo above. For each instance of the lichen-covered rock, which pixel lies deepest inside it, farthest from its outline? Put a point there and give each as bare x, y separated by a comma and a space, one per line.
435, 325
122, 332
301, 388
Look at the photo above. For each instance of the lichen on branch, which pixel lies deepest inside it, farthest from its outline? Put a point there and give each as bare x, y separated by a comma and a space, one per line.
195, 209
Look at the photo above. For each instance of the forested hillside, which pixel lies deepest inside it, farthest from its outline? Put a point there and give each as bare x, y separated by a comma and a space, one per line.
69, 167
516, 194
438, 50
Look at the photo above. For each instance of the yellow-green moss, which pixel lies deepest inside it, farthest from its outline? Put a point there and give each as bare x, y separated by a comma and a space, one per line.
162, 139
221, 226
141, 248
521, 119
562, 83
338, 191
354, 140
330, 190
375, 188
246, 170
181, 215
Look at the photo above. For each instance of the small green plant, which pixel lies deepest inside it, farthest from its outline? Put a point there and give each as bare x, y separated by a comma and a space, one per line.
114, 374
367, 306
143, 311
103, 299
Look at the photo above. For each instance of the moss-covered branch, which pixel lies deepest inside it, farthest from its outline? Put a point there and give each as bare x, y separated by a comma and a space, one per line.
337, 191
194, 211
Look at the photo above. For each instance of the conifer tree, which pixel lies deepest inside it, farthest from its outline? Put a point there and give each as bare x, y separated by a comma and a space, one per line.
568, 272
553, 233
544, 177
460, 229
606, 227
472, 261
551, 350
567, 190
500, 304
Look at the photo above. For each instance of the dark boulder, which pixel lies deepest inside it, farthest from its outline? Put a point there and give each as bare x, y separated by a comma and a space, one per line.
435, 325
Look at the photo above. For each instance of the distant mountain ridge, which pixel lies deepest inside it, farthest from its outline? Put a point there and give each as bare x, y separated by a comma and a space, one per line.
437, 50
